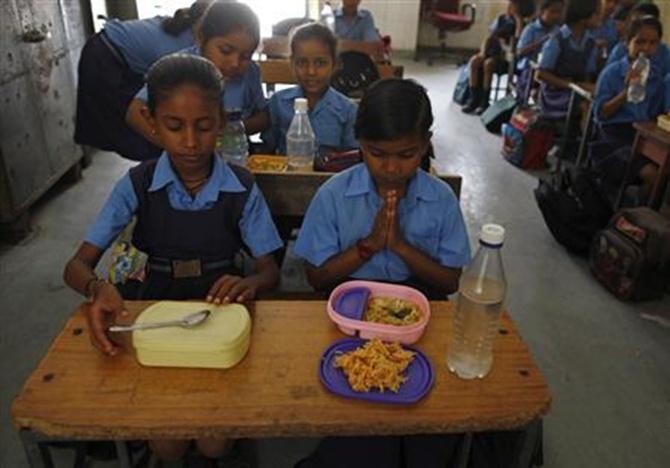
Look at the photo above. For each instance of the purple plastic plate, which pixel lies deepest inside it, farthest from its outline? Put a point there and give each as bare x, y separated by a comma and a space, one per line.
352, 302
420, 376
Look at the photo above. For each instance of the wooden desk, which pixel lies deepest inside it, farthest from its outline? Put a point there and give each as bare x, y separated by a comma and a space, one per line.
653, 143
77, 393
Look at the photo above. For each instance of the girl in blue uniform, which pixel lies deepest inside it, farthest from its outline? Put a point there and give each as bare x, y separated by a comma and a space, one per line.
228, 36
111, 71
615, 114
194, 213
569, 57
331, 114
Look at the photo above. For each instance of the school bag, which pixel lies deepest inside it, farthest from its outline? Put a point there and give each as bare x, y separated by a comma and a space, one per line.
631, 256
527, 139
355, 74
462, 88
574, 207
329, 160
498, 113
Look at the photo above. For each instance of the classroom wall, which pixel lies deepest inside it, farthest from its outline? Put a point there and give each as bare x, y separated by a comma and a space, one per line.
397, 18
664, 5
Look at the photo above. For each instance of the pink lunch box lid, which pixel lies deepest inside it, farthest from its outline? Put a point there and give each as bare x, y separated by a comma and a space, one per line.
406, 334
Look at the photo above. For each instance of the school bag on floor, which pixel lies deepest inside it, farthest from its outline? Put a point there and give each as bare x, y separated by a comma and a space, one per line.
527, 139
574, 207
462, 88
498, 113
631, 256
355, 74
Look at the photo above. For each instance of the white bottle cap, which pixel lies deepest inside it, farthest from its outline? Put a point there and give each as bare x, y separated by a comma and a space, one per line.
492, 234
300, 104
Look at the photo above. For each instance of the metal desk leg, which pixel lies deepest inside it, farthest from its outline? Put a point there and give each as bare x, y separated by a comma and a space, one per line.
464, 452
586, 136
38, 455
123, 454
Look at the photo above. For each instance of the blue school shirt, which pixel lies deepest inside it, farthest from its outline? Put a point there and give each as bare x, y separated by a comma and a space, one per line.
552, 50
503, 26
611, 83
666, 91
332, 119
142, 42
532, 33
361, 28
660, 60
607, 31
257, 229
243, 92
344, 209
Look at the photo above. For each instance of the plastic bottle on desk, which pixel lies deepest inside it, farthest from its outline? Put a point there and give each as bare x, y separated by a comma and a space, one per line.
480, 299
233, 145
300, 140
637, 89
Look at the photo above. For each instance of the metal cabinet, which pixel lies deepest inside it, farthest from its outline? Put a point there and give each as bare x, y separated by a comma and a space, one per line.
40, 45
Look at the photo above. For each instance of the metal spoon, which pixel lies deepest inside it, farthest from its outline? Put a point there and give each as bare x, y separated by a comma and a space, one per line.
188, 321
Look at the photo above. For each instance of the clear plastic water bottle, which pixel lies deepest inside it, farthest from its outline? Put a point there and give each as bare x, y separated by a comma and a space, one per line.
233, 145
637, 89
480, 298
300, 140
328, 16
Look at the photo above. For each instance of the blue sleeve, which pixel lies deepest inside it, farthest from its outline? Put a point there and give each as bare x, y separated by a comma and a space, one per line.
259, 232
606, 89
617, 54
270, 135
454, 248
550, 52
258, 101
318, 238
592, 62
666, 92
114, 216
348, 135
370, 33
527, 36
142, 94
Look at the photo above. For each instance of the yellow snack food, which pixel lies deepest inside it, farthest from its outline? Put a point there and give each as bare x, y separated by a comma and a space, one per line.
392, 311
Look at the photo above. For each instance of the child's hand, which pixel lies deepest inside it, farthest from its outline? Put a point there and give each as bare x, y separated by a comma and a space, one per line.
377, 238
231, 288
632, 75
101, 313
394, 236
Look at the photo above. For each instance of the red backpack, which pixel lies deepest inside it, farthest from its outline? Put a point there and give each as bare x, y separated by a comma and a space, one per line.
527, 139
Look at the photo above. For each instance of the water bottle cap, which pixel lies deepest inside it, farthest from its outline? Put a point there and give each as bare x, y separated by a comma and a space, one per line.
492, 234
300, 104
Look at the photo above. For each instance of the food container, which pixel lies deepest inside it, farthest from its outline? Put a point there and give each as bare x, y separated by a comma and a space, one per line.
267, 163
219, 342
348, 302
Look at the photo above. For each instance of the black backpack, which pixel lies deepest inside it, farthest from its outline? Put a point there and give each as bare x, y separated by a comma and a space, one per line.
574, 208
498, 113
355, 74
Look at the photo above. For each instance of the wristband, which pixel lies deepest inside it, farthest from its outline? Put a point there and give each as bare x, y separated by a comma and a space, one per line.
365, 252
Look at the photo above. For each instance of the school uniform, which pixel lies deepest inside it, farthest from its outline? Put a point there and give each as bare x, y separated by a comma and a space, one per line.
666, 94
190, 241
344, 209
361, 28
111, 69
611, 149
569, 59
332, 119
243, 93
660, 60
503, 28
533, 32
607, 31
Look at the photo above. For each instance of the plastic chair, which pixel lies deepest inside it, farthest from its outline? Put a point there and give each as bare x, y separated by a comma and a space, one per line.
446, 16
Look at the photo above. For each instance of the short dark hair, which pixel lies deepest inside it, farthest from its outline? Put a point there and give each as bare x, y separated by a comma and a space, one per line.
580, 10
184, 18
224, 17
546, 4
621, 13
316, 31
647, 9
644, 22
392, 108
175, 70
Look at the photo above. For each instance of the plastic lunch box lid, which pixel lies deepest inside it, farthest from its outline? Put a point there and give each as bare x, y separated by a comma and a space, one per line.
420, 376
226, 328
348, 302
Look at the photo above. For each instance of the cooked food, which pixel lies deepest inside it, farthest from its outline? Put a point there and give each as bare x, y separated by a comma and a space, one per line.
375, 365
267, 163
392, 311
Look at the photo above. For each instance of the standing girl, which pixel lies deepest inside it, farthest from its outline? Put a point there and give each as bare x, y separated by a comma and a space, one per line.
331, 114
228, 36
111, 71
190, 206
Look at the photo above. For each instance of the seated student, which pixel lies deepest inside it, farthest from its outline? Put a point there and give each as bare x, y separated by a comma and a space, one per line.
111, 70
569, 56
661, 58
228, 36
385, 219
355, 30
491, 57
331, 114
533, 37
606, 34
190, 205
616, 114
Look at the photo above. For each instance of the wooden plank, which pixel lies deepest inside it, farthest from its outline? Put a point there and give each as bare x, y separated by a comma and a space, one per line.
278, 71
77, 393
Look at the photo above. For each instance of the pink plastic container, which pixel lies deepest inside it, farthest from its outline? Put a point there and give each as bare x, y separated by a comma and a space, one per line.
406, 334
